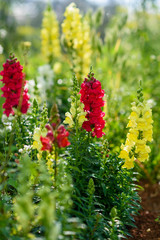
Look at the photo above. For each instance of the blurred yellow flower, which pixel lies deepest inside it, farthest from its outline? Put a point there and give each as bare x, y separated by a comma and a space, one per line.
76, 31
57, 67
27, 44
50, 35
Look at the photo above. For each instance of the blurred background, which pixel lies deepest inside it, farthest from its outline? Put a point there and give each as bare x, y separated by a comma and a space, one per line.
20, 20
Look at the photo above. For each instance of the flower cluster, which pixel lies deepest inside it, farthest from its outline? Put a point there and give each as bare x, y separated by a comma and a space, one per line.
13, 90
50, 35
91, 96
77, 36
140, 132
58, 137
72, 26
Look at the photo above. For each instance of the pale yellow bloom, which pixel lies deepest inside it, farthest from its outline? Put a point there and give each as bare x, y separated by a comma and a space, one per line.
50, 35
57, 67
143, 150
132, 124
129, 162
71, 26
148, 135
69, 119
78, 113
27, 44
76, 31
132, 135
81, 118
73, 109
134, 115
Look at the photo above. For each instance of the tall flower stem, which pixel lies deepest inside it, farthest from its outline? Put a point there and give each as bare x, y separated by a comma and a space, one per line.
55, 165
88, 139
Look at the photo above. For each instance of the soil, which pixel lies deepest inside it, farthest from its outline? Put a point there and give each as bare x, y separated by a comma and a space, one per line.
147, 227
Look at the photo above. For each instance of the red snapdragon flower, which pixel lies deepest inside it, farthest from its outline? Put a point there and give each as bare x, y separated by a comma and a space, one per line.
62, 137
91, 96
58, 137
46, 144
13, 90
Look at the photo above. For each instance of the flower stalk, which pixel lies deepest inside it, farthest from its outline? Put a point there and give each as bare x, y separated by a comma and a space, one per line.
140, 133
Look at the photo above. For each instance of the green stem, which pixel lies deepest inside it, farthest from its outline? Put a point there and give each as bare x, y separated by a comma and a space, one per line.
11, 139
55, 165
88, 137
76, 119
7, 156
76, 125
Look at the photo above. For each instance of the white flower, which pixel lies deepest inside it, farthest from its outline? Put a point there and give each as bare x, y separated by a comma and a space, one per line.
1, 49
3, 33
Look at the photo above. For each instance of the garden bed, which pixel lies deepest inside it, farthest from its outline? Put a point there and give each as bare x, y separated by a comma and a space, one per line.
147, 227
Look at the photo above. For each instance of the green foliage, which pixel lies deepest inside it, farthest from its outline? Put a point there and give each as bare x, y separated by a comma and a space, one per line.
23, 206
95, 21
109, 186
114, 226
39, 208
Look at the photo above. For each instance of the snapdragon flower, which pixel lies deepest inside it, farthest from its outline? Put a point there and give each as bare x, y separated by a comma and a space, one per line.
92, 98
14, 89
75, 114
50, 35
76, 32
140, 132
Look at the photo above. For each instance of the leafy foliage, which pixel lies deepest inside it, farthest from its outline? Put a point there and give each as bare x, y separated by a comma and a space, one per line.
100, 184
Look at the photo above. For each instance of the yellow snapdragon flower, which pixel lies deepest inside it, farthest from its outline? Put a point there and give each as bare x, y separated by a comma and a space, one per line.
72, 26
50, 35
129, 163
37, 142
140, 132
76, 32
69, 119
81, 118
